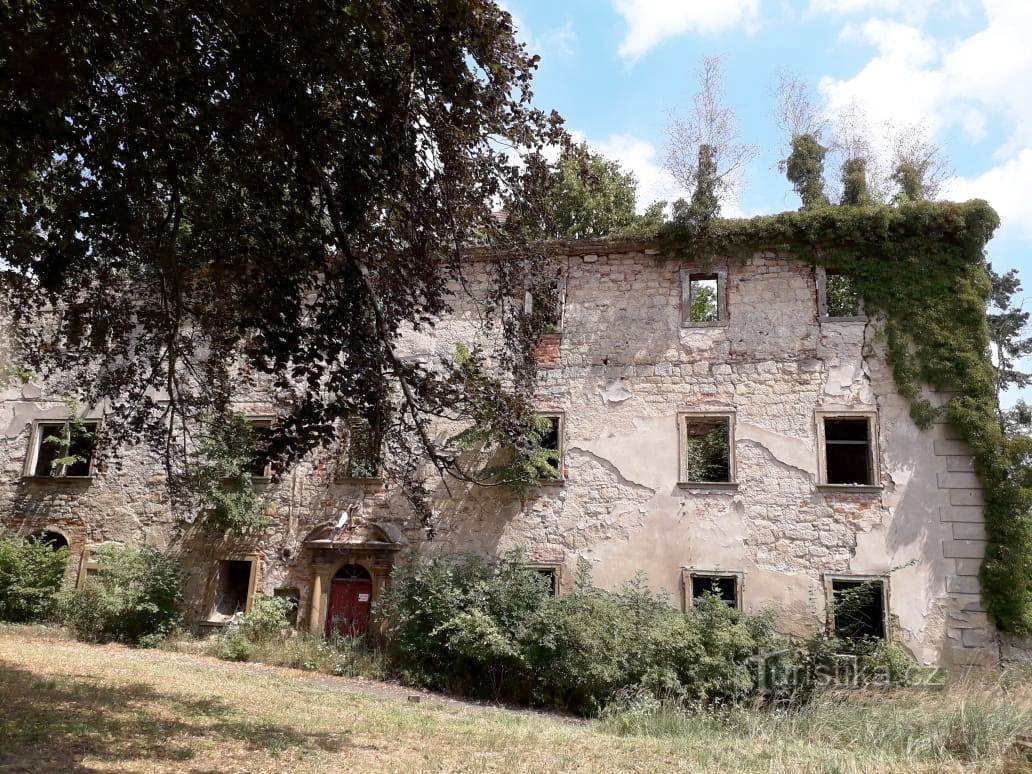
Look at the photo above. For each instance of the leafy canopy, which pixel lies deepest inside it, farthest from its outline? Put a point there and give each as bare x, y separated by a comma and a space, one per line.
282, 186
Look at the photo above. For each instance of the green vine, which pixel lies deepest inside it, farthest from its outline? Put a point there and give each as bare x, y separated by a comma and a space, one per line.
921, 266
223, 475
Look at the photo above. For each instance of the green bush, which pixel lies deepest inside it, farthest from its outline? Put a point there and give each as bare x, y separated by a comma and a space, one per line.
267, 618
133, 597
30, 576
466, 625
234, 646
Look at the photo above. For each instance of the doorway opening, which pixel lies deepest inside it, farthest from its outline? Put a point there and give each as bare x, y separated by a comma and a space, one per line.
350, 604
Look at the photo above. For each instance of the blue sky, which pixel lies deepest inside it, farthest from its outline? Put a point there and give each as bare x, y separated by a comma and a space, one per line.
616, 69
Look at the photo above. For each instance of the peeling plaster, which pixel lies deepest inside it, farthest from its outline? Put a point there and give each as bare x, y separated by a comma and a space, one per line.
791, 451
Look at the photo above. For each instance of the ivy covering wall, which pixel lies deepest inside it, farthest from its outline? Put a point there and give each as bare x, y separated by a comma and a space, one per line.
921, 268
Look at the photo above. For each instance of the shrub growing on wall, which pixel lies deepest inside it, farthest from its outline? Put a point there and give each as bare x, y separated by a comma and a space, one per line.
30, 577
133, 597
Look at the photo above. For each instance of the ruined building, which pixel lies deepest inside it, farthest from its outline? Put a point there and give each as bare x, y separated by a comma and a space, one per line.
720, 426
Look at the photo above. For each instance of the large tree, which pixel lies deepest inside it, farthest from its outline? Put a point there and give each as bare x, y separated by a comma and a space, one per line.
208, 190
579, 195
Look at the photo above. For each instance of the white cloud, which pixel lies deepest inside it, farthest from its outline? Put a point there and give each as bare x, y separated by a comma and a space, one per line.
640, 157
1007, 187
973, 83
967, 83
911, 10
649, 22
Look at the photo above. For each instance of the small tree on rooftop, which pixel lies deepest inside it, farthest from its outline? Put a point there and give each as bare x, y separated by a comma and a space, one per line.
704, 154
918, 168
861, 168
798, 115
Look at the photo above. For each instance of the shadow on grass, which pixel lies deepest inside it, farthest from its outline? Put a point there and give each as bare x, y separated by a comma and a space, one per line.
53, 723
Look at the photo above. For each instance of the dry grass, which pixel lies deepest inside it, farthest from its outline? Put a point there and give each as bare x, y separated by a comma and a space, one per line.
65, 706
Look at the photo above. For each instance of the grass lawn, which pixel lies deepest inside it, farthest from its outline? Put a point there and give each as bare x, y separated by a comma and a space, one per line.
65, 706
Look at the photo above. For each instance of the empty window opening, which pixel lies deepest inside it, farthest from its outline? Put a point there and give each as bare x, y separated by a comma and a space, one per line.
260, 464
858, 609
707, 449
847, 449
544, 305
841, 297
549, 438
551, 578
52, 540
703, 298
232, 587
363, 449
64, 449
293, 598
723, 586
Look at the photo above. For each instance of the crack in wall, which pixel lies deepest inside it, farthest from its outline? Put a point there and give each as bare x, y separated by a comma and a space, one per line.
610, 466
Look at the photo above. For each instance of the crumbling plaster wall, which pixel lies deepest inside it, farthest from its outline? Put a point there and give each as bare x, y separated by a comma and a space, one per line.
623, 369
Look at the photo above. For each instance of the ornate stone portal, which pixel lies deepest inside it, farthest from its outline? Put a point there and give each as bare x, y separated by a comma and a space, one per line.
371, 545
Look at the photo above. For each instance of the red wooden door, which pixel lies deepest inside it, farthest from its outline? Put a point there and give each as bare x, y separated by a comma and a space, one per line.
350, 601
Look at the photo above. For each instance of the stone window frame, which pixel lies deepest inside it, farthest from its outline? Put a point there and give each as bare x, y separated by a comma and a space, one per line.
555, 568
263, 420
36, 438
687, 272
682, 437
528, 304
561, 432
689, 573
874, 454
821, 280
252, 583
828, 580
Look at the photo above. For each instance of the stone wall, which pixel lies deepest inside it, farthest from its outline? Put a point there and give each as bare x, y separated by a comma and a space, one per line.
621, 372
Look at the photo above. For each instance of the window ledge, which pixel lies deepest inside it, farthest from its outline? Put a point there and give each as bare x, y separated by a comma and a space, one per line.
552, 482
850, 488
715, 324
855, 319
716, 486
54, 479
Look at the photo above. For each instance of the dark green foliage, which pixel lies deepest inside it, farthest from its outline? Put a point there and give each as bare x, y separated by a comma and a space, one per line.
703, 301
133, 597
582, 195
1006, 333
804, 168
493, 630
910, 179
921, 265
30, 576
855, 190
210, 192
841, 296
222, 475
705, 202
